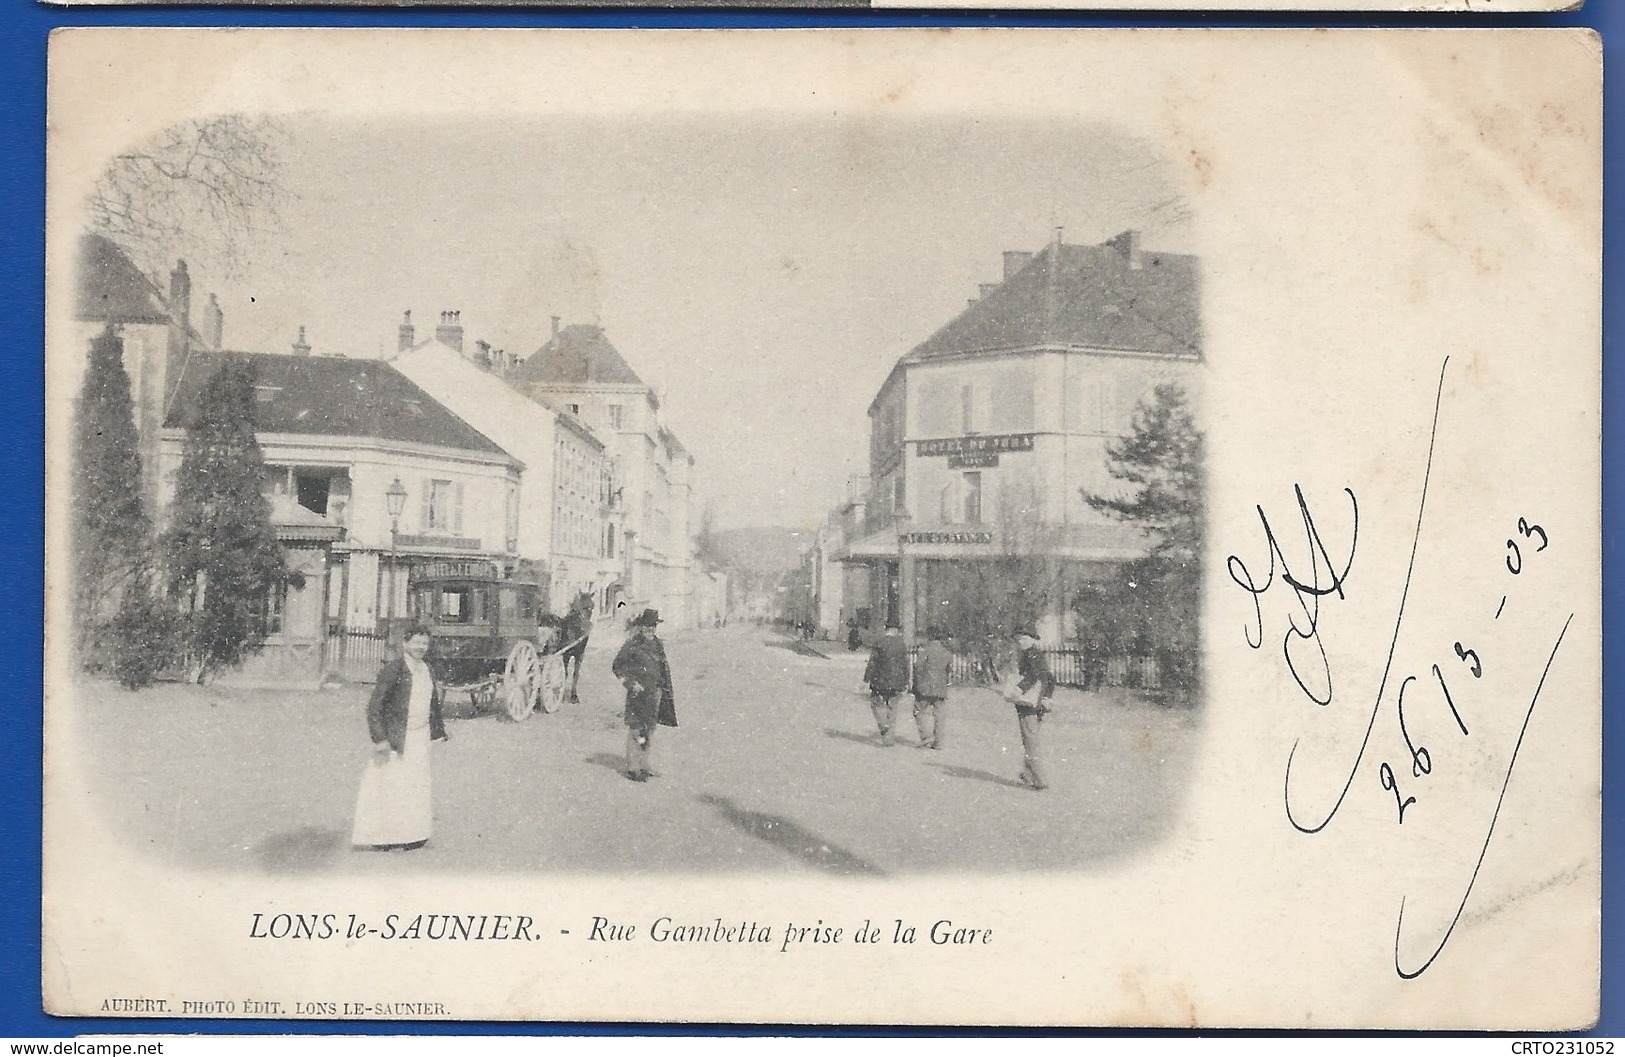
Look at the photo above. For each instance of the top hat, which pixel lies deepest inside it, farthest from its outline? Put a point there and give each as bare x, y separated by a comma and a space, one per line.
646, 619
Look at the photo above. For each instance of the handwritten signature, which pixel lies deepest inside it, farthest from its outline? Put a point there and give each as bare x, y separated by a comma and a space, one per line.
1306, 659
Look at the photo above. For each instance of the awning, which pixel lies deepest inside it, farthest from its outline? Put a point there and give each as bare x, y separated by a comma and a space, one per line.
880, 545
1091, 541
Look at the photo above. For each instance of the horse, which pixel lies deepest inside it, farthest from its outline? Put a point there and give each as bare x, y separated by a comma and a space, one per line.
576, 626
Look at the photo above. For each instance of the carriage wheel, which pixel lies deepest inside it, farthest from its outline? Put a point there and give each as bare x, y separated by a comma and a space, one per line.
521, 682
555, 682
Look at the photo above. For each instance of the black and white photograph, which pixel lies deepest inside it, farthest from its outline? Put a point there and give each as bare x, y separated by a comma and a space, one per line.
532, 509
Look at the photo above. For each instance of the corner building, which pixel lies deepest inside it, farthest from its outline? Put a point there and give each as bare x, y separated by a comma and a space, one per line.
984, 437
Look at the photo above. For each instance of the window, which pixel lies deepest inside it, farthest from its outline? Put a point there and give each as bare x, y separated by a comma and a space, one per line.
574, 409
937, 415
311, 491
967, 409
973, 498
455, 605
276, 607
1088, 404
614, 416
945, 504
1012, 403
443, 506
518, 605
512, 519
609, 541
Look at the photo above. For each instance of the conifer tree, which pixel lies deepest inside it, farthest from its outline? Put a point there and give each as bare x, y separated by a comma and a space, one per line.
224, 558
110, 530
1161, 460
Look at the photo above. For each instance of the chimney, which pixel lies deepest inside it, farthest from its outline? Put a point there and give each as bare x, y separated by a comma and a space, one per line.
180, 295
555, 328
300, 348
1128, 244
214, 324
450, 330
482, 354
1015, 260
408, 335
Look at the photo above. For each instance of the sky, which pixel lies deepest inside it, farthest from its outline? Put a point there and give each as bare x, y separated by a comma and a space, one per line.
763, 273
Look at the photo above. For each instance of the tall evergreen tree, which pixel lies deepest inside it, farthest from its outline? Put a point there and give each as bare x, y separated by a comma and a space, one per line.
1161, 460
110, 530
224, 558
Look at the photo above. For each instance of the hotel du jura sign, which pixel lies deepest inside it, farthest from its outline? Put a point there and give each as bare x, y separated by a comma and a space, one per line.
974, 452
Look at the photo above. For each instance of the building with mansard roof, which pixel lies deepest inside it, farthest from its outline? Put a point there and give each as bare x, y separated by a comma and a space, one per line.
985, 437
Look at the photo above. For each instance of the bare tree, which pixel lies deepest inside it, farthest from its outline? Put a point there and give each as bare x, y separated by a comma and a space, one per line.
979, 604
202, 189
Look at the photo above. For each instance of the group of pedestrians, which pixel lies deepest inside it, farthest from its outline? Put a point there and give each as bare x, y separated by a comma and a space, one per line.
405, 713
891, 674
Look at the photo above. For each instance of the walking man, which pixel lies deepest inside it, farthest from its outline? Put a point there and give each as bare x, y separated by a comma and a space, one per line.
1033, 688
641, 667
931, 688
887, 676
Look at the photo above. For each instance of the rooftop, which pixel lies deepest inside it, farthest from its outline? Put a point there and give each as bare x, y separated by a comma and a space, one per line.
335, 396
1111, 296
577, 354
108, 287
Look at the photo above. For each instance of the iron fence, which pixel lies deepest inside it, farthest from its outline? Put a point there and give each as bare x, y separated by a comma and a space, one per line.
354, 654
1079, 668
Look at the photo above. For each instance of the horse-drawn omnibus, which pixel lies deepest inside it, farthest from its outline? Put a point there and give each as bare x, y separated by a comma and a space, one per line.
491, 637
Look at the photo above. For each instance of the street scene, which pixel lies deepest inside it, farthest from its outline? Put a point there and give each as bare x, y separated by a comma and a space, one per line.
774, 768
864, 539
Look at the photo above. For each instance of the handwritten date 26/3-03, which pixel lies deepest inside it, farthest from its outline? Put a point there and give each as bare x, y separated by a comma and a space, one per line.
1466, 661
1455, 691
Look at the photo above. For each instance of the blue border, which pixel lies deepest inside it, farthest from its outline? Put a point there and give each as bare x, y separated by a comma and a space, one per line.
24, 27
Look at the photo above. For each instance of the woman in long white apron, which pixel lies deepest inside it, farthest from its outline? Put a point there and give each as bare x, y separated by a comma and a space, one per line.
394, 809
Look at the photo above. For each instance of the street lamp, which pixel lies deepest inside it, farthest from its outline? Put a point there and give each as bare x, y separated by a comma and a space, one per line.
395, 500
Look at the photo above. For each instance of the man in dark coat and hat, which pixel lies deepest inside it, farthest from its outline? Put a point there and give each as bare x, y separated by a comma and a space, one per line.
1030, 693
641, 667
887, 676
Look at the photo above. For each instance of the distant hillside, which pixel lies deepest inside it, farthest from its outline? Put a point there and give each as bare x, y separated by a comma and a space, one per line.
761, 554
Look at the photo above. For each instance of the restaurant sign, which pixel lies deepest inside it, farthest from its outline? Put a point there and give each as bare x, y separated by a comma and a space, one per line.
947, 537
963, 446
973, 460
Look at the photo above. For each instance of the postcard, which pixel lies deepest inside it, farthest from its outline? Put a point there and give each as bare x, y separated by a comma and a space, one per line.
1468, 7
926, 527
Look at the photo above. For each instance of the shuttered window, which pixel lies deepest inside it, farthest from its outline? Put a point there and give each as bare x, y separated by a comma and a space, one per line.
443, 506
